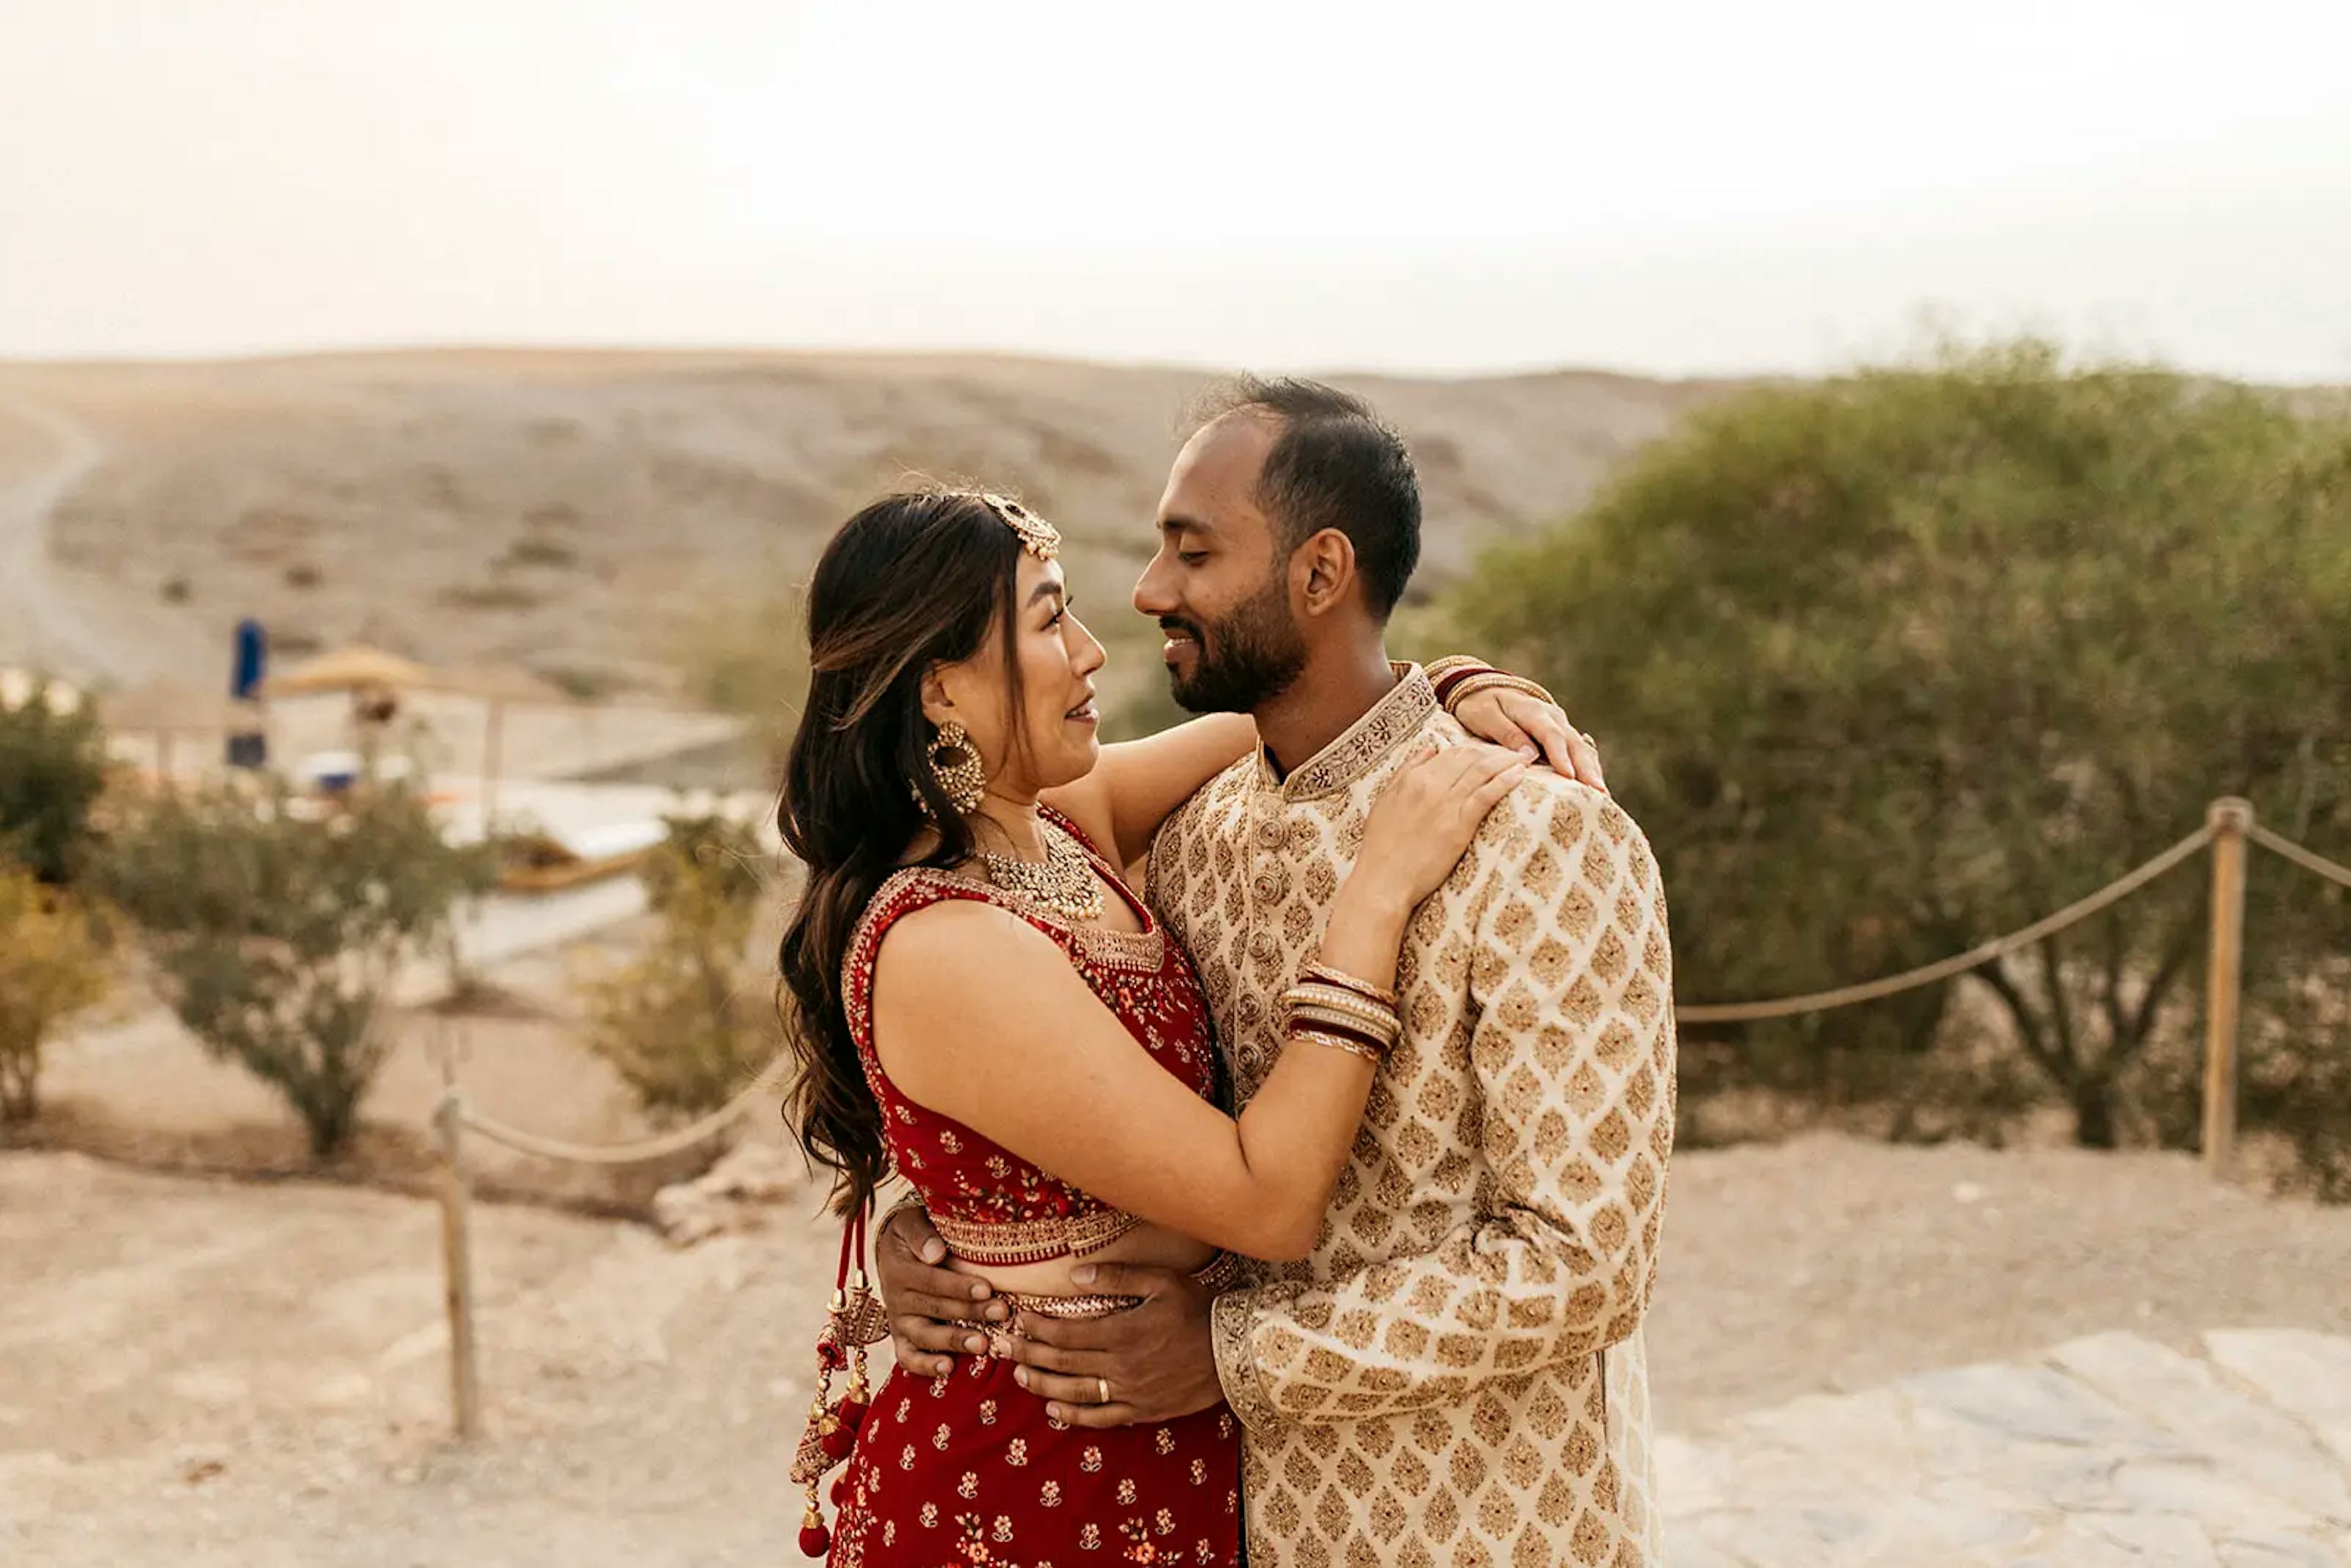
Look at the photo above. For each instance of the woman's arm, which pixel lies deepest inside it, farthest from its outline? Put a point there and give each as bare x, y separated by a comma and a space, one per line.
1041, 1067
978, 1016
1137, 783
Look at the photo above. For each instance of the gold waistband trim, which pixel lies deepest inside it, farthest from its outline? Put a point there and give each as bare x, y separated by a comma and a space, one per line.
1216, 1276
1033, 1240
1065, 1306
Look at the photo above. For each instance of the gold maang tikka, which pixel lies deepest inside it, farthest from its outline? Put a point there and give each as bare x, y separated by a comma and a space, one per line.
1037, 537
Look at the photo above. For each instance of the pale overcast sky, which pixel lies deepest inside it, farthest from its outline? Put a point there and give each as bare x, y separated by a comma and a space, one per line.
1676, 186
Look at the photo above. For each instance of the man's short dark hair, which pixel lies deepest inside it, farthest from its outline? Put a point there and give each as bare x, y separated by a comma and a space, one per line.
1334, 464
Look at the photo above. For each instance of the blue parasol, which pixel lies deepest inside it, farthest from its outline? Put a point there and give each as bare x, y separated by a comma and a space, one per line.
250, 749
252, 659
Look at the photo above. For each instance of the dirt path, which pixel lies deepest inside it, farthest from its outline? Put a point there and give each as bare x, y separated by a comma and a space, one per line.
67, 622
51, 630
251, 1376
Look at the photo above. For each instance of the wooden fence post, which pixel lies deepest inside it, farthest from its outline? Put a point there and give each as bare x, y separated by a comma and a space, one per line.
456, 1258
2224, 976
493, 725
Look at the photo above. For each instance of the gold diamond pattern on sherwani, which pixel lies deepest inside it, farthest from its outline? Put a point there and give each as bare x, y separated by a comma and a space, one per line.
1456, 1373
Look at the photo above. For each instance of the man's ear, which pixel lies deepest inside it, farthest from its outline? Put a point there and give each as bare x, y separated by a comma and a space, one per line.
1323, 571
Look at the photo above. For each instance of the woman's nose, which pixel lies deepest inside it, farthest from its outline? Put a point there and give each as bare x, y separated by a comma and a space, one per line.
1091, 656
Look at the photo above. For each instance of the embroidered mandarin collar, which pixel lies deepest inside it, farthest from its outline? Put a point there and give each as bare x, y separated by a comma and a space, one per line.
1394, 718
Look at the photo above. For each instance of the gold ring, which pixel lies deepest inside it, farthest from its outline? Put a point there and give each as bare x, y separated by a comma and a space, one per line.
1103, 1383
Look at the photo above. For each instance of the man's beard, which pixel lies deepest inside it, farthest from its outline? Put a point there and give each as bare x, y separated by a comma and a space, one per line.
1245, 660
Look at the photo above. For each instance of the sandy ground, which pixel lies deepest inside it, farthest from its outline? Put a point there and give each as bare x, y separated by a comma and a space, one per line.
226, 1373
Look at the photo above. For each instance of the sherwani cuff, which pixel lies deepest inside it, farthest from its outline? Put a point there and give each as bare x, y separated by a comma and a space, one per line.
1231, 1318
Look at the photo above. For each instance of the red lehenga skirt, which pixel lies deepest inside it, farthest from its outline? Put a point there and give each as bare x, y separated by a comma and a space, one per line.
965, 1468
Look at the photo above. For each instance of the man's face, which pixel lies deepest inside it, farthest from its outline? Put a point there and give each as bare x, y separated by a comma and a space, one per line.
1220, 586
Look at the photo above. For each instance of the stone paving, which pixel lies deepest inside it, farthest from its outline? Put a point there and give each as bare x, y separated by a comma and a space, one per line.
2111, 1449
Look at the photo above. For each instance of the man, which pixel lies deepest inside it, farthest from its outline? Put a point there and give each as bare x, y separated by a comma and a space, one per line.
1456, 1373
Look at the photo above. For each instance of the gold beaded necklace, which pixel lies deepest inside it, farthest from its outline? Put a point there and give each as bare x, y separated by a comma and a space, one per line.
1063, 881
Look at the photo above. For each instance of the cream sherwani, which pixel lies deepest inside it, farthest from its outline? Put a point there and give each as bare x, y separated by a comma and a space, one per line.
1456, 1376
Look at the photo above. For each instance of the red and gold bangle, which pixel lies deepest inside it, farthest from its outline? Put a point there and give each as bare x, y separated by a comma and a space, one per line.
1440, 671
1341, 996
1334, 1040
1343, 1007
1469, 683
1446, 675
1383, 1036
1318, 970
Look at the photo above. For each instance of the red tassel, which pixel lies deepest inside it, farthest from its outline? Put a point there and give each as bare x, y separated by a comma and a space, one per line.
831, 1433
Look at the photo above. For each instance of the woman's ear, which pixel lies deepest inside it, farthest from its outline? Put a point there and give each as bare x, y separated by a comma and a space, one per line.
937, 705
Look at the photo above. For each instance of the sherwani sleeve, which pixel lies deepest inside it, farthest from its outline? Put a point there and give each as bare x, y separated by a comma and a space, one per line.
1569, 1058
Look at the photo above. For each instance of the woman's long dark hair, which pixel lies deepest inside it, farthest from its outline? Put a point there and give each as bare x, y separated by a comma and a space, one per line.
912, 580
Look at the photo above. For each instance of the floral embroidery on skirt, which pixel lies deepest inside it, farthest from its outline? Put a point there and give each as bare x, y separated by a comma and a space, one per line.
965, 1469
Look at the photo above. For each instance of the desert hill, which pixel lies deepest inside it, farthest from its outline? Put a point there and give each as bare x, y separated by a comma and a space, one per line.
556, 510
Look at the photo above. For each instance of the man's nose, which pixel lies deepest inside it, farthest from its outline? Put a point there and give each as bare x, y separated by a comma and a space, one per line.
1151, 595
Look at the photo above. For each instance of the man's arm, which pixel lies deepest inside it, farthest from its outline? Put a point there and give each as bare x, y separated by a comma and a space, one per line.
1572, 1055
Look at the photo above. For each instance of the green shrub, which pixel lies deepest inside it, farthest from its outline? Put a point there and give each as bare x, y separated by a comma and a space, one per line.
690, 1020
51, 967
53, 769
275, 930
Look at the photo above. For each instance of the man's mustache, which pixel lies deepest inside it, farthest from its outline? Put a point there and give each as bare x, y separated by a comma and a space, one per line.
1186, 627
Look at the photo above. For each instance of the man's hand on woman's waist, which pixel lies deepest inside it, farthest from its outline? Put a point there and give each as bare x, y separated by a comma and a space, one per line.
931, 1307
1154, 1362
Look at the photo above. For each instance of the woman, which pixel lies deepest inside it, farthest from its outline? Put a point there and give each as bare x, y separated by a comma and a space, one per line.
981, 1004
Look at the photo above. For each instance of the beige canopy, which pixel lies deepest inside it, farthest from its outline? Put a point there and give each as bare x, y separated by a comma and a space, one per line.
358, 666
351, 666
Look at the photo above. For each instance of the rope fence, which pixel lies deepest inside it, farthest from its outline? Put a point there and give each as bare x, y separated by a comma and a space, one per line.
2080, 909
2229, 828
2332, 871
452, 1118
644, 1149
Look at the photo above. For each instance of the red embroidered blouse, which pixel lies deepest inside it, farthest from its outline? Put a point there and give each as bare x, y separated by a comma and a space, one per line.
987, 1204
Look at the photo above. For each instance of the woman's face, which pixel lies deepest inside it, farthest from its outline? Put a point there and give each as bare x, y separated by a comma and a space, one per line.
1057, 658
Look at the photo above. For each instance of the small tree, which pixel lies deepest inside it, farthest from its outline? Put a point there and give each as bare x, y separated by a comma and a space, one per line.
274, 931
685, 1022
1898, 662
53, 769
51, 967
